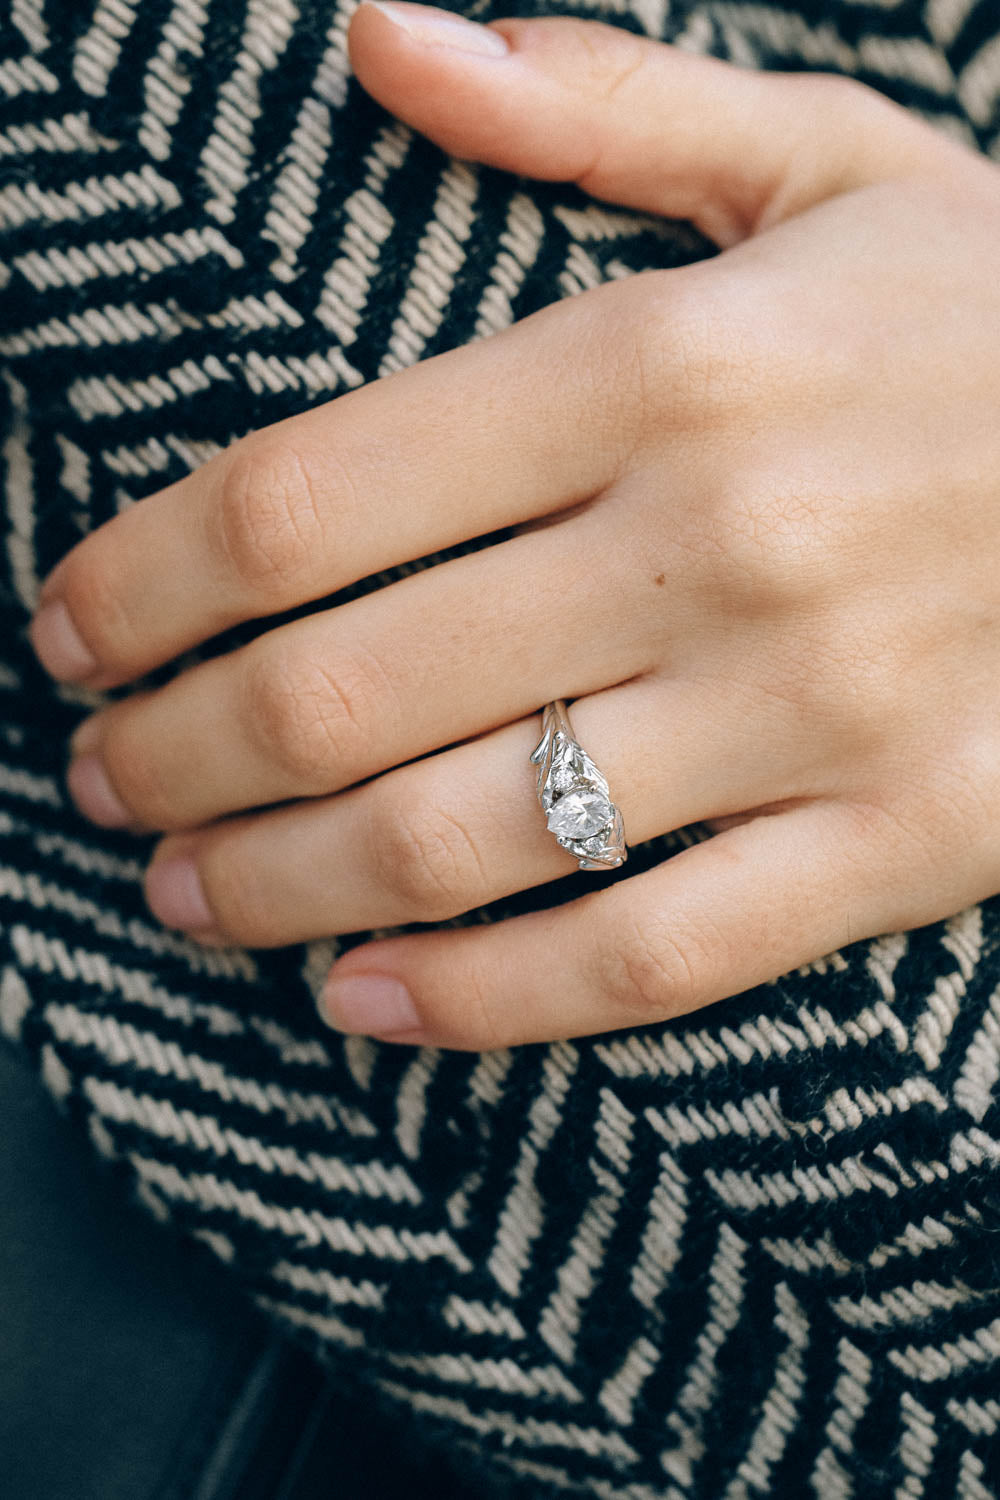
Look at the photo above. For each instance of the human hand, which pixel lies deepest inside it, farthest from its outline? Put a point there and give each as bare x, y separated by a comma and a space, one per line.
768, 580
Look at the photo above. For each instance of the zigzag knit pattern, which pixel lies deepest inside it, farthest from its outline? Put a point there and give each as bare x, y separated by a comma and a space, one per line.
752, 1253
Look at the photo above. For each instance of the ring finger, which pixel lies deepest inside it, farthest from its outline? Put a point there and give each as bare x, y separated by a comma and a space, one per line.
431, 840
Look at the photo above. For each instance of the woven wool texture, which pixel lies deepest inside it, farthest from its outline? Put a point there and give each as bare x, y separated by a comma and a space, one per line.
755, 1252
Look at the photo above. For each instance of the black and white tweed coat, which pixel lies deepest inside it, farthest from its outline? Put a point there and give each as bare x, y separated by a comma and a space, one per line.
755, 1252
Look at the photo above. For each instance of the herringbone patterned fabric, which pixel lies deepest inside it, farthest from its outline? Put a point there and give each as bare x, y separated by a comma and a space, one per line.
756, 1252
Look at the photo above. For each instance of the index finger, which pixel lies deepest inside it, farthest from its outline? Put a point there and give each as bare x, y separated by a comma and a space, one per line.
485, 436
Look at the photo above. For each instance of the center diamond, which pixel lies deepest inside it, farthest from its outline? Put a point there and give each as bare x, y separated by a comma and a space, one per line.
579, 815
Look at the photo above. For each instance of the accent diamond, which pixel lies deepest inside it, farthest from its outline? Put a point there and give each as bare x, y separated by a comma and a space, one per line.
562, 777
597, 845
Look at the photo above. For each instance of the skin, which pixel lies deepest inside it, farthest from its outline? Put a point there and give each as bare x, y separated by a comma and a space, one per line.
760, 521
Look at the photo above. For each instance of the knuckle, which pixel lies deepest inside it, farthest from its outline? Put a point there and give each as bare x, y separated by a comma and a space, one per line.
600, 63
876, 135
763, 552
481, 1023
469, 1012
848, 99
944, 798
311, 722
649, 973
692, 352
609, 69
268, 521
427, 858
138, 775
101, 609
240, 895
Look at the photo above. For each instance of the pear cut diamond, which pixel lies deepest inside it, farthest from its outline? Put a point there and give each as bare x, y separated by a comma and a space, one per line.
579, 815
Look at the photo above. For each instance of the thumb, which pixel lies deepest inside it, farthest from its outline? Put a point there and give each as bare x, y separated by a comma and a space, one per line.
637, 122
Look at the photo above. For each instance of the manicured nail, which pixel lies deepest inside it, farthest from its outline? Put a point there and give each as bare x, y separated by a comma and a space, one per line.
369, 1005
94, 795
439, 28
58, 645
175, 894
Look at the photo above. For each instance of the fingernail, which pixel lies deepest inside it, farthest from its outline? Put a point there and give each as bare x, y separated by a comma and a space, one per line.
175, 894
58, 645
439, 28
94, 795
369, 1005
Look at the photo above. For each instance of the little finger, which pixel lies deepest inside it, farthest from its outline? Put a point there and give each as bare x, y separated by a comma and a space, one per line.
733, 912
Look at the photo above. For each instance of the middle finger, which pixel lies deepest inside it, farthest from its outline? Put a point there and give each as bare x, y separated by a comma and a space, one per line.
319, 704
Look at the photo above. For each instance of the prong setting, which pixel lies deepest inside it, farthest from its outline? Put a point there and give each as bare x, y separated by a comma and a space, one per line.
575, 797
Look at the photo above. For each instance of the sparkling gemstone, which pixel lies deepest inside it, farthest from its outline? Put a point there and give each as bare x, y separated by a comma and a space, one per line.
562, 777
596, 845
579, 815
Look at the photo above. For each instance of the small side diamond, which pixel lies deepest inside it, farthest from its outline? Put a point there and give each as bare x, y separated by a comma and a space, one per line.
596, 845
561, 778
